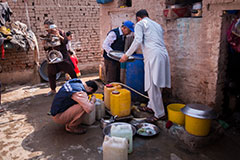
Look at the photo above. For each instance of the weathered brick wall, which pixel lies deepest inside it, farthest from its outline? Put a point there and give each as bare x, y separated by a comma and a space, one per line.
193, 45
79, 16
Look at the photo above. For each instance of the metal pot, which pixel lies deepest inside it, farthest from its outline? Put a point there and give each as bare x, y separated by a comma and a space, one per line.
198, 119
199, 111
105, 122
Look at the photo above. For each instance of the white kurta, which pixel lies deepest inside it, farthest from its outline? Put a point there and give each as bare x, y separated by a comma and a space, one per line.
149, 35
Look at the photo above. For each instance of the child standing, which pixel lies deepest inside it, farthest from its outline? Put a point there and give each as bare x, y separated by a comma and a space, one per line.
72, 53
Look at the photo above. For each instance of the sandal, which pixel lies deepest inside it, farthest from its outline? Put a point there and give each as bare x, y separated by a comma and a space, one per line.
145, 109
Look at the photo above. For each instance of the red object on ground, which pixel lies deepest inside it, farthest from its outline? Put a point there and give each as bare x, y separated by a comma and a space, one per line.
75, 62
169, 124
3, 51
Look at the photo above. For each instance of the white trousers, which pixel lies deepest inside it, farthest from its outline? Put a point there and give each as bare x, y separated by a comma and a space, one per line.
155, 100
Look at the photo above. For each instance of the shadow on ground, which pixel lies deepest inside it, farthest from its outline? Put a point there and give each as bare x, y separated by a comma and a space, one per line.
47, 140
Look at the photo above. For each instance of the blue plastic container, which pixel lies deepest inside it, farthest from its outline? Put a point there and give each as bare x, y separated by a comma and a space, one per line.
135, 78
104, 1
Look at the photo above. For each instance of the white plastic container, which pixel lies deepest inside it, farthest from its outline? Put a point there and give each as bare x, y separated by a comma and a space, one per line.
90, 118
100, 109
124, 131
115, 148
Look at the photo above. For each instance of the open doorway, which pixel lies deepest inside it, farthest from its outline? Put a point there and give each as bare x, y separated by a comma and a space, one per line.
228, 86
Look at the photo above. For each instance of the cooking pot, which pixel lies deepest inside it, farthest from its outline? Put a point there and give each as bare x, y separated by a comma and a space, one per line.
54, 56
199, 111
105, 122
198, 119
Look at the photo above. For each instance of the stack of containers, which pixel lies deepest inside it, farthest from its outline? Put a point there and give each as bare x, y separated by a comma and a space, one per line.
117, 100
123, 131
98, 111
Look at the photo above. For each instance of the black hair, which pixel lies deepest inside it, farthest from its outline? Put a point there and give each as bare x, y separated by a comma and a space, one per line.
68, 33
93, 85
142, 13
48, 22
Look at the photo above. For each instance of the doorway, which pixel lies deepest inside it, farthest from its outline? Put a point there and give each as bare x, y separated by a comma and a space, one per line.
228, 85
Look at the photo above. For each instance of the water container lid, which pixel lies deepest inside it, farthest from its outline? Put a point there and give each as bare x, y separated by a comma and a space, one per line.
109, 85
115, 92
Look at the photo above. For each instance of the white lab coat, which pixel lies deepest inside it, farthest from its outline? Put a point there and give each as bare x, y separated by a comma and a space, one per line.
149, 35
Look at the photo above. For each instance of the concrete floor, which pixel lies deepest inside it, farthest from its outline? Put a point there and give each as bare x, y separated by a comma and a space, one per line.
27, 132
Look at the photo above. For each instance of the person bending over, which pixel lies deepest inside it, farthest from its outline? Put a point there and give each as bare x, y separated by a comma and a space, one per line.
71, 103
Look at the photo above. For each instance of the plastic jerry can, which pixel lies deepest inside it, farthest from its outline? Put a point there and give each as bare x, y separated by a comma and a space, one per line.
120, 102
115, 148
124, 131
90, 118
100, 109
108, 88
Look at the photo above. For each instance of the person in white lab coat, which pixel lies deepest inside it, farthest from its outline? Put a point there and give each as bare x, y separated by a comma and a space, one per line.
149, 35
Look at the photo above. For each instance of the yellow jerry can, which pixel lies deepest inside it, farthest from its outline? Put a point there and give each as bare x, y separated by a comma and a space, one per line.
108, 88
120, 102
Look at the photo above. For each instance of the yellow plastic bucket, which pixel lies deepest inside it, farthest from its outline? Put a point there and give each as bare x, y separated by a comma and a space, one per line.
174, 113
197, 126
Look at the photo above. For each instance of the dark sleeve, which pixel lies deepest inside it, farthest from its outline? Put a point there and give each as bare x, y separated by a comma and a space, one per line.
62, 33
65, 40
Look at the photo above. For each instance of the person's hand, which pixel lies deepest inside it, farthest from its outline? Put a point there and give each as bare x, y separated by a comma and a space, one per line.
124, 58
55, 32
93, 99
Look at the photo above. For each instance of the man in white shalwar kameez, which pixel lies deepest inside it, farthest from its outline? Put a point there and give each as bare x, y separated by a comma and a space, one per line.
149, 35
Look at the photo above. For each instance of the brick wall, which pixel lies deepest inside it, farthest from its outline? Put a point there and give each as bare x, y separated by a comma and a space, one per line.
193, 45
79, 16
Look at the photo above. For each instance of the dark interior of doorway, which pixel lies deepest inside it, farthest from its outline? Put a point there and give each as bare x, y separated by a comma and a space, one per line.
232, 83
229, 73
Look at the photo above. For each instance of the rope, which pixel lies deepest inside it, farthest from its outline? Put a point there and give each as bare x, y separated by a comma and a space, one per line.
131, 89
